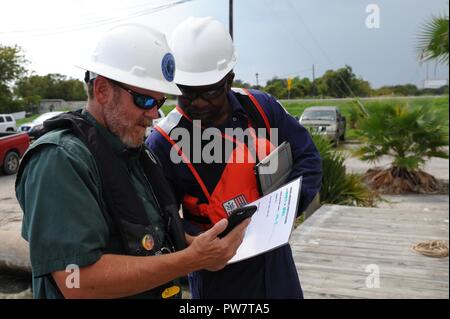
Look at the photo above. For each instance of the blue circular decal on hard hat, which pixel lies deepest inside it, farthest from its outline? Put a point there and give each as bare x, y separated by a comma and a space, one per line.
168, 67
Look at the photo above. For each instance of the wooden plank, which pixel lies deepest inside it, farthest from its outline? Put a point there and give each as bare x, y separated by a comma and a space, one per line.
335, 245
350, 265
390, 286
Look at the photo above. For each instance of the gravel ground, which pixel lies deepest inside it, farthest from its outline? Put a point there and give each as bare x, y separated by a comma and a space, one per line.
12, 286
9, 208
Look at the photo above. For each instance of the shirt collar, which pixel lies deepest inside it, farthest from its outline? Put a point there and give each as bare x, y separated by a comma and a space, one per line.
236, 107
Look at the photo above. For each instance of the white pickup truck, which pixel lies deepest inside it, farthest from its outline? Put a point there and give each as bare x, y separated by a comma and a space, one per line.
7, 123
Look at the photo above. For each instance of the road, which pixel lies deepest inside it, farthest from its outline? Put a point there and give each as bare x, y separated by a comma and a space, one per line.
438, 167
9, 207
11, 286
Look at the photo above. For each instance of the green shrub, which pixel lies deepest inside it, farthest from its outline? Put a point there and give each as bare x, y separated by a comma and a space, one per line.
411, 136
338, 187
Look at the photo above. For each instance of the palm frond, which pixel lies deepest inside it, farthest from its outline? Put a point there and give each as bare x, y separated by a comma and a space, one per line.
433, 40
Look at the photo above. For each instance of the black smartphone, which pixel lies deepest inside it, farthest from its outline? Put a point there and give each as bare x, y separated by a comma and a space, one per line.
237, 216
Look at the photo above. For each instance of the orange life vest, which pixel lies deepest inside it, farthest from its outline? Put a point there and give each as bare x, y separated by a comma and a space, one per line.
237, 185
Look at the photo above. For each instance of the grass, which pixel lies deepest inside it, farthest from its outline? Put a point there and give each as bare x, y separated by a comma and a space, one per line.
296, 108
439, 104
26, 120
31, 118
167, 108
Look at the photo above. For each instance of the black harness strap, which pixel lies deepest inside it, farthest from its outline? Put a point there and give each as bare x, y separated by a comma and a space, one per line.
123, 204
165, 198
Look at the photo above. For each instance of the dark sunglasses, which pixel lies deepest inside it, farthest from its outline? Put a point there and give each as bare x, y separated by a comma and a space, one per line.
192, 94
142, 101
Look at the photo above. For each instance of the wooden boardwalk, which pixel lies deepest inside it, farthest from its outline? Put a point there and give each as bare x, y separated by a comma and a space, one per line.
353, 252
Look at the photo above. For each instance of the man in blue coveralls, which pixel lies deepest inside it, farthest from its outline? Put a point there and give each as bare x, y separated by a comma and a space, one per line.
205, 59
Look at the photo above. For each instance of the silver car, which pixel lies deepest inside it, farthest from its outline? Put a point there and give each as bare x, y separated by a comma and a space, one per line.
33, 128
326, 120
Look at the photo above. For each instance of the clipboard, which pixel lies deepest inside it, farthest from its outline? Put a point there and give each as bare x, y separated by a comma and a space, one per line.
273, 171
272, 224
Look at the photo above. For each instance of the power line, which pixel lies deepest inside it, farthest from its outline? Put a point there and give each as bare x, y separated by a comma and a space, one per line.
103, 20
90, 24
303, 48
283, 21
327, 57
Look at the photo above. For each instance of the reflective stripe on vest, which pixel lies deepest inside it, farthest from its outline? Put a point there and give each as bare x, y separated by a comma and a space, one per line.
237, 185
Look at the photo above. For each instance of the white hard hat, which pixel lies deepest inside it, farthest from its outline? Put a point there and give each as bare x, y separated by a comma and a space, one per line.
136, 55
204, 51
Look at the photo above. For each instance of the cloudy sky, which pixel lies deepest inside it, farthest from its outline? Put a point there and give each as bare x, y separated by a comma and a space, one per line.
273, 37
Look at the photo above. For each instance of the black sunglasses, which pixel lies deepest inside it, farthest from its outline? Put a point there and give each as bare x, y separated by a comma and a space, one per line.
142, 101
191, 94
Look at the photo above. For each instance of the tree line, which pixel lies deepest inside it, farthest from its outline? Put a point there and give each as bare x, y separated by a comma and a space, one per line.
340, 83
21, 90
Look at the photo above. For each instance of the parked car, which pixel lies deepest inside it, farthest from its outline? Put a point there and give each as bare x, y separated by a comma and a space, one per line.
7, 123
33, 128
12, 147
326, 120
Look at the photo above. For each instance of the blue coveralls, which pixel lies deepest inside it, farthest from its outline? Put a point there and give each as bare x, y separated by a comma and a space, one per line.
271, 275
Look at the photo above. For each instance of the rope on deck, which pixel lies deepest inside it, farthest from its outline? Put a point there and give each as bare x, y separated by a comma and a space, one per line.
432, 248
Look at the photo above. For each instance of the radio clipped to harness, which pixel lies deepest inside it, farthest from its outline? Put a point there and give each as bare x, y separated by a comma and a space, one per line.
272, 171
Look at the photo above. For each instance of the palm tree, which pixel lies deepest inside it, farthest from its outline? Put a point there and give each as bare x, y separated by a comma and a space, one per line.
410, 137
433, 39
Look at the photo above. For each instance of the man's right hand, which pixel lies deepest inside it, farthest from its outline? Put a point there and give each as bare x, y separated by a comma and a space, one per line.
213, 252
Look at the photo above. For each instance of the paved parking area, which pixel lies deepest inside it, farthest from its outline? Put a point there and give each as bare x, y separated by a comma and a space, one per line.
17, 285
438, 167
9, 207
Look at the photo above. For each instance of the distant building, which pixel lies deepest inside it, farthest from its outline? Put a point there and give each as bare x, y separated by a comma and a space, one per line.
434, 84
50, 105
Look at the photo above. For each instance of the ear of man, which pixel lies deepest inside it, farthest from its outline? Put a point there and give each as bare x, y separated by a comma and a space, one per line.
103, 90
230, 80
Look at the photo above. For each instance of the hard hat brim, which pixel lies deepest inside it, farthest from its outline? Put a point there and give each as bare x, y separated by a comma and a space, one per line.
201, 78
146, 83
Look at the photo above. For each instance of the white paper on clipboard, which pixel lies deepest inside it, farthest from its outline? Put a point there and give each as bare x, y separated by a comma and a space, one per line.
272, 224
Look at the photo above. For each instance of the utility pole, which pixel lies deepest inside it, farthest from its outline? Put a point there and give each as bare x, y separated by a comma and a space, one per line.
314, 80
257, 83
231, 18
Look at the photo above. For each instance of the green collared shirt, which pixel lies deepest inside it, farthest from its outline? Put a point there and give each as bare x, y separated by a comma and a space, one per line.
65, 219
